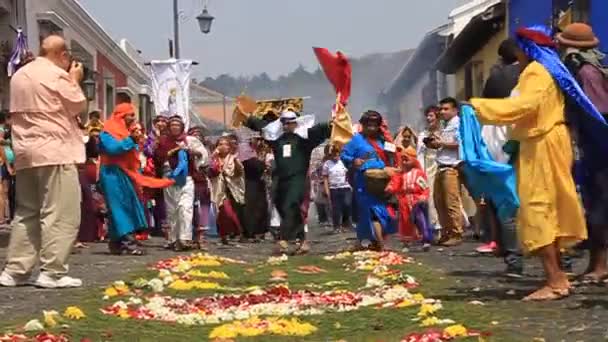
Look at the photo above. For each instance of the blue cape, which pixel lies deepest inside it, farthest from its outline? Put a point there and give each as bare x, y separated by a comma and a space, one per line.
483, 176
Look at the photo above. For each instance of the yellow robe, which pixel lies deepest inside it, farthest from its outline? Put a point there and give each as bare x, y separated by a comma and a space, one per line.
550, 210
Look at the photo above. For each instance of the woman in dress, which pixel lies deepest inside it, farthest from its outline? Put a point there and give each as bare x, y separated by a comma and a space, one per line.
256, 220
121, 181
89, 175
227, 188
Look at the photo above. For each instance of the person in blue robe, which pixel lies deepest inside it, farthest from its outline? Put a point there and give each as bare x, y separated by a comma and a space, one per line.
370, 150
121, 181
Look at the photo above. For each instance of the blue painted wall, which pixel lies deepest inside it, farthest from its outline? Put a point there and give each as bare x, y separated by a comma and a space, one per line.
530, 12
599, 11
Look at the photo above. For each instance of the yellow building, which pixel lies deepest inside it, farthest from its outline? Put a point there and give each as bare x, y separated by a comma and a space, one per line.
473, 51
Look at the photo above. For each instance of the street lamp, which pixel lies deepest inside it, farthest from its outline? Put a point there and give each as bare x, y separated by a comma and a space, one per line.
89, 88
204, 21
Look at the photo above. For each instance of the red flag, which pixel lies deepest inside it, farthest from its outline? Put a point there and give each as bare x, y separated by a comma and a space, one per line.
338, 71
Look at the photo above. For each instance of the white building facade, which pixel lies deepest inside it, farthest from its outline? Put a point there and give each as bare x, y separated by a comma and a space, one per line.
116, 67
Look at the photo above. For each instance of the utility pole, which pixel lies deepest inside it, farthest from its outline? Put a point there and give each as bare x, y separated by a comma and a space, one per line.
176, 28
224, 105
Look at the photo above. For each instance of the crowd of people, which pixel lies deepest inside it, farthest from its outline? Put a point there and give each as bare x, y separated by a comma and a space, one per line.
528, 154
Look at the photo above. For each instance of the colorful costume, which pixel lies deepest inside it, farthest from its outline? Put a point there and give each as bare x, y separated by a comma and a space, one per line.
202, 200
412, 191
179, 198
159, 211
550, 210
369, 207
228, 193
119, 176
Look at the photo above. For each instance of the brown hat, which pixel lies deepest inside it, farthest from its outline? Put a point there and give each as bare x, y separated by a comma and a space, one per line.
578, 35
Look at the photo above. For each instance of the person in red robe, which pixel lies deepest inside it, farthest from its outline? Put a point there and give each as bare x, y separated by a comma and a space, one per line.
411, 188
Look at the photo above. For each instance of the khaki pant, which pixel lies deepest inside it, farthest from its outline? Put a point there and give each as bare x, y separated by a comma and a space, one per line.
448, 202
47, 219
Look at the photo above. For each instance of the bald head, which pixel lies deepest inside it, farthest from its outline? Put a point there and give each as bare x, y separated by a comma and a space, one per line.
54, 48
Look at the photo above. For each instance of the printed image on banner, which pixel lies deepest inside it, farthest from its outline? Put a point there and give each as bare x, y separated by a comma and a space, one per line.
171, 88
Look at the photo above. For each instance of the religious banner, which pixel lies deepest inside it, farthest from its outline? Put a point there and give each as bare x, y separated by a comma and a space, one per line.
171, 88
246, 105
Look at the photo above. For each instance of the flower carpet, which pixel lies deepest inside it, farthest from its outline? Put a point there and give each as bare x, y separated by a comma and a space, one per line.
343, 297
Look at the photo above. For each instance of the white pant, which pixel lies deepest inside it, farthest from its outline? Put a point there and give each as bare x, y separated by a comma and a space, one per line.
275, 218
179, 201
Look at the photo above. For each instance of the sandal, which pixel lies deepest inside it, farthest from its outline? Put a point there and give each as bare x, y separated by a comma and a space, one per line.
303, 249
355, 248
592, 279
281, 248
132, 248
547, 293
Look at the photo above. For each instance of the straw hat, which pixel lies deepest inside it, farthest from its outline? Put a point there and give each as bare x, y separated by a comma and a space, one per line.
578, 35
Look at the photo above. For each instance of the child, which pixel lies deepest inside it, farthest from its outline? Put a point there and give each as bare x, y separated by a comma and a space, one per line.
412, 191
338, 190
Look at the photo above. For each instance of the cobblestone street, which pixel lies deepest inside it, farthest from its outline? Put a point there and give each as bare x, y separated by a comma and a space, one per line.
473, 278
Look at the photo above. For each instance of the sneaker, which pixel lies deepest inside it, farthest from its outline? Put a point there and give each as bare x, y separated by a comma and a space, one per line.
487, 248
47, 282
514, 272
8, 280
426, 247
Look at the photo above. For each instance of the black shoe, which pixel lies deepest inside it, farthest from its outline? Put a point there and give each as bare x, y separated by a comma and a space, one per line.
514, 272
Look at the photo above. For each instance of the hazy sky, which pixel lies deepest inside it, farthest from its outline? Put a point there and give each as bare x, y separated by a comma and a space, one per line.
251, 36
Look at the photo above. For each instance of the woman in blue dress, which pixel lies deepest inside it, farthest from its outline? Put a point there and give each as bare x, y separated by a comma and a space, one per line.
121, 181
371, 150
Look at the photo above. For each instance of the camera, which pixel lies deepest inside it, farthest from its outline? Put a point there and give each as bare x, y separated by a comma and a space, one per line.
428, 140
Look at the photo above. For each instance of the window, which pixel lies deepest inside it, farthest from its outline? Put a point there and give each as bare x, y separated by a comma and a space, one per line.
109, 100
570, 11
473, 79
477, 77
468, 81
145, 112
47, 28
581, 10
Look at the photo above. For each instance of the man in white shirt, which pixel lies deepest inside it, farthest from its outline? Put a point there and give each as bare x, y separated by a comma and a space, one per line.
447, 187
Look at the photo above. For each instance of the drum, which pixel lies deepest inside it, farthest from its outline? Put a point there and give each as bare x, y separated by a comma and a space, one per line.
376, 181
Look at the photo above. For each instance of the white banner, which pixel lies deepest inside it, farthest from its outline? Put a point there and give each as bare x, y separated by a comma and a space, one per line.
171, 88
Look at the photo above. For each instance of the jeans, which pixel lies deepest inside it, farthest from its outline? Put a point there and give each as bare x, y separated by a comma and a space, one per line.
322, 212
510, 245
341, 206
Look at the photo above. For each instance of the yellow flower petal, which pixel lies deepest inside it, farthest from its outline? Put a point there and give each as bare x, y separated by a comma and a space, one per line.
50, 318
74, 312
455, 331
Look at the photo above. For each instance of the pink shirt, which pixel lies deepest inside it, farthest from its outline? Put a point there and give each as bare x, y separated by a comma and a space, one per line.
44, 106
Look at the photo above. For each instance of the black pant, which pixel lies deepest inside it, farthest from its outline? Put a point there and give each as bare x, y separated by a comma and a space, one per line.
322, 212
341, 206
289, 196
